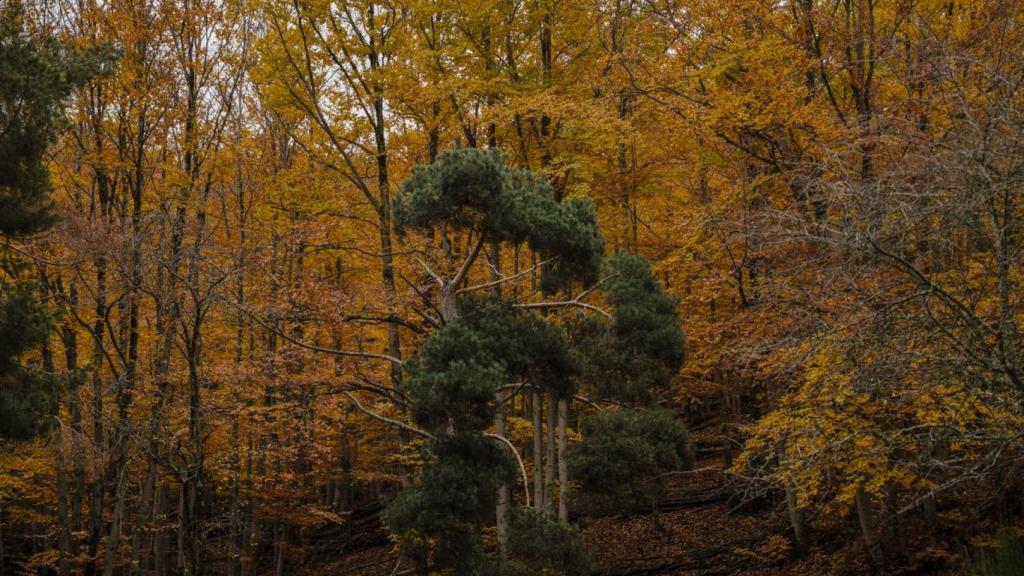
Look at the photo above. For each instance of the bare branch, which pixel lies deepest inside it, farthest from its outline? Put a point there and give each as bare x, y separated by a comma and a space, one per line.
565, 304
314, 347
505, 279
383, 418
522, 467
461, 274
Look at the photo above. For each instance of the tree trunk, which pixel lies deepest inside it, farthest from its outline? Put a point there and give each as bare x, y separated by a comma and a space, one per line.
563, 463
549, 464
868, 530
96, 488
502, 508
796, 517
278, 550
182, 564
64, 534
538, 449
114, 537
70, 337
159, 536
234, 529
248, 533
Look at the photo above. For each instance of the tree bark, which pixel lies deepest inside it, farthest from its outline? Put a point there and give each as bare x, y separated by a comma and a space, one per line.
538, 449
114, 537
796, 517
868, 530
70, 337
96, 488
64, 530
549, 464
563, 463
502, 507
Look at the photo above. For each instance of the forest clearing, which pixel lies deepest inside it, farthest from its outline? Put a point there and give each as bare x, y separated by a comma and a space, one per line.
511, 287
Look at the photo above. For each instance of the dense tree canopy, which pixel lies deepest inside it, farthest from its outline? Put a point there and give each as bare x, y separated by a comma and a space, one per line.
371, 287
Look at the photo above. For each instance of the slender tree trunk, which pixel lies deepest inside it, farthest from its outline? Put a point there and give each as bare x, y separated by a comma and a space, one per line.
235, 509
502, 509
538, 449
248, 535
64, 529
563, 463
868, 529
182, 563
195, 473
96, 488
114, 538
147, 504
386, 245
70, 336
796, 517
549, 465
159, 535
278, 550
149, 499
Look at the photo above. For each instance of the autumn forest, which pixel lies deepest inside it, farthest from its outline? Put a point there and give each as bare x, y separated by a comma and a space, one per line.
511, 287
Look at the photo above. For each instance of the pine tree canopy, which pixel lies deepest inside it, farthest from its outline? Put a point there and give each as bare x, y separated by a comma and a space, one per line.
621, 455
455, 374
36, 77
487, 344
473, 189
642, 348
539, 543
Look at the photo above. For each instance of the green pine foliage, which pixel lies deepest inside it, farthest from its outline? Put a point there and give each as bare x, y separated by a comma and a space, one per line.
452, 382
446, 508
641, 350
531, 348
27, 395
541, 544
454, 376
618, 463
473, 189
36, 77
453, 379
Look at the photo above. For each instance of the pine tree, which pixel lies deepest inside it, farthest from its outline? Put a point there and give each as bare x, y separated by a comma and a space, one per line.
622, 455
635, 355
36, 77
485, 344
630, 359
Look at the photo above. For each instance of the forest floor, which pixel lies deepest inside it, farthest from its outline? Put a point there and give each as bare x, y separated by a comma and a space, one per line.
704, 528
